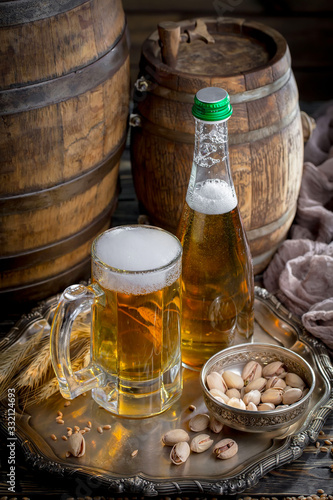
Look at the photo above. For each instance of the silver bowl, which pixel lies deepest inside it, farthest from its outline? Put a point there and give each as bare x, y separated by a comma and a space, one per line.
234, 358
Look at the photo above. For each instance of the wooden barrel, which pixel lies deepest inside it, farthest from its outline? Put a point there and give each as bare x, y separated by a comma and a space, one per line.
252, 62
64, 100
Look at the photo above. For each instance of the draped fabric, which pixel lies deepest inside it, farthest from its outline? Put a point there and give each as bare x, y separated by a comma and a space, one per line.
301, 271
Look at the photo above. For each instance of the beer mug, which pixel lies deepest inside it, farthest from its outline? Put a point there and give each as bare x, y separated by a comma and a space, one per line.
135, 299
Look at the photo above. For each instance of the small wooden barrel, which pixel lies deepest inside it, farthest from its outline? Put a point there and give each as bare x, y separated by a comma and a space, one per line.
64, 98
252, 62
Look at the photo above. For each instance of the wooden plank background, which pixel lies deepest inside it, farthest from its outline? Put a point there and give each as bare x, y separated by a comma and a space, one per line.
307, 26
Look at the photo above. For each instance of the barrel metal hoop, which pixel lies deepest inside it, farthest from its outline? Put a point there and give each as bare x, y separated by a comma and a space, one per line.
264, 132
25, 11
68, 86
254, 234
258, 260
59, 248
55, 283
240, 97
60, 193
246, 137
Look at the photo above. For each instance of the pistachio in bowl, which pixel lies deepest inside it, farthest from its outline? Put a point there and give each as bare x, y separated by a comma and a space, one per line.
257, 387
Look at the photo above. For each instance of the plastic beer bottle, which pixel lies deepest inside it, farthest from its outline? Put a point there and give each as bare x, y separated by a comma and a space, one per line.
217, 282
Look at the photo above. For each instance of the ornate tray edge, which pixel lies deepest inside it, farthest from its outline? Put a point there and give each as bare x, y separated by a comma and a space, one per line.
237, 484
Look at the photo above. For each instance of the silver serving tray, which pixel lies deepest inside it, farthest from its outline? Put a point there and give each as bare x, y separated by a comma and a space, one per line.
108, 462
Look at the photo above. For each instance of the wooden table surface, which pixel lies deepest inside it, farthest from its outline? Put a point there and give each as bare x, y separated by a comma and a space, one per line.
310, 474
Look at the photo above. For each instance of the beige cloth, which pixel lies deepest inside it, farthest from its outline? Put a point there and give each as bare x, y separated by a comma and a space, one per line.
301, 272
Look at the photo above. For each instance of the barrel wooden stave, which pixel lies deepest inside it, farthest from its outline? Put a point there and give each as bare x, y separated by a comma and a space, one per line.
65, 219
49, 145
60, 143
57, 45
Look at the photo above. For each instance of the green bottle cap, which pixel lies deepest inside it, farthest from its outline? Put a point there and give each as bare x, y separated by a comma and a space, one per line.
212, 104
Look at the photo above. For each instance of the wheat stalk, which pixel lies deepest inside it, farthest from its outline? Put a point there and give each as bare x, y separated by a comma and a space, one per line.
27, 366
15, 357
46, 390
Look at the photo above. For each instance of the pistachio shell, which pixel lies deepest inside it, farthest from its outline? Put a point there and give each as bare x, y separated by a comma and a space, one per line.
253, 397
233, 393
217, 394
266, 407
252, 407
201, 443
291, 396
232, 380
305, 391
272, 396
214, 380
274, 368
226, 448
199, 422
77, 444
175, 436
221, 400
258, 384
251, 371
295, 380
215, 425
180, 453
237, 403
275, 382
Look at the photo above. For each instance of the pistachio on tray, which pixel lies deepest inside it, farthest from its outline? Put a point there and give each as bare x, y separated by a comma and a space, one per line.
175, 436
77, 445
180, 453
201, 443
226, 448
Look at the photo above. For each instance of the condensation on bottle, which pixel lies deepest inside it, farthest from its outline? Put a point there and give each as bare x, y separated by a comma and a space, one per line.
217, 279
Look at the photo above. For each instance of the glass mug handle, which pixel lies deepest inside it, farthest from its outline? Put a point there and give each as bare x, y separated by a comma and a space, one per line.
73, 301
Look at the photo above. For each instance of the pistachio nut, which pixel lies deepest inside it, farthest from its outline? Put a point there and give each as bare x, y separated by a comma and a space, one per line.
232, 380
266, 407
252, 397
215, 425
258, 384
295, 380
272, 396
214, 380
201, 443
275, 382
251, 371
305, 391
274, 368
237, 403
226, 448
199, 422
252, 407
180, 453
219, 395
291, 396
220, 400
77, 444
175, 436
233, 393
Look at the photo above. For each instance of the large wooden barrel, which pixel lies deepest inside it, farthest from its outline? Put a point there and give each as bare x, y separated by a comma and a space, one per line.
64, 100
252, 62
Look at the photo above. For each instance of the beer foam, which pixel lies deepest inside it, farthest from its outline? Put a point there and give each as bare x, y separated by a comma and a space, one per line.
212, 197
142, 259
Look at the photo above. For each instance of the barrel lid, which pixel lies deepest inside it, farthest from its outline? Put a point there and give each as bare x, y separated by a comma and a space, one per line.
244, 56
212, 104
